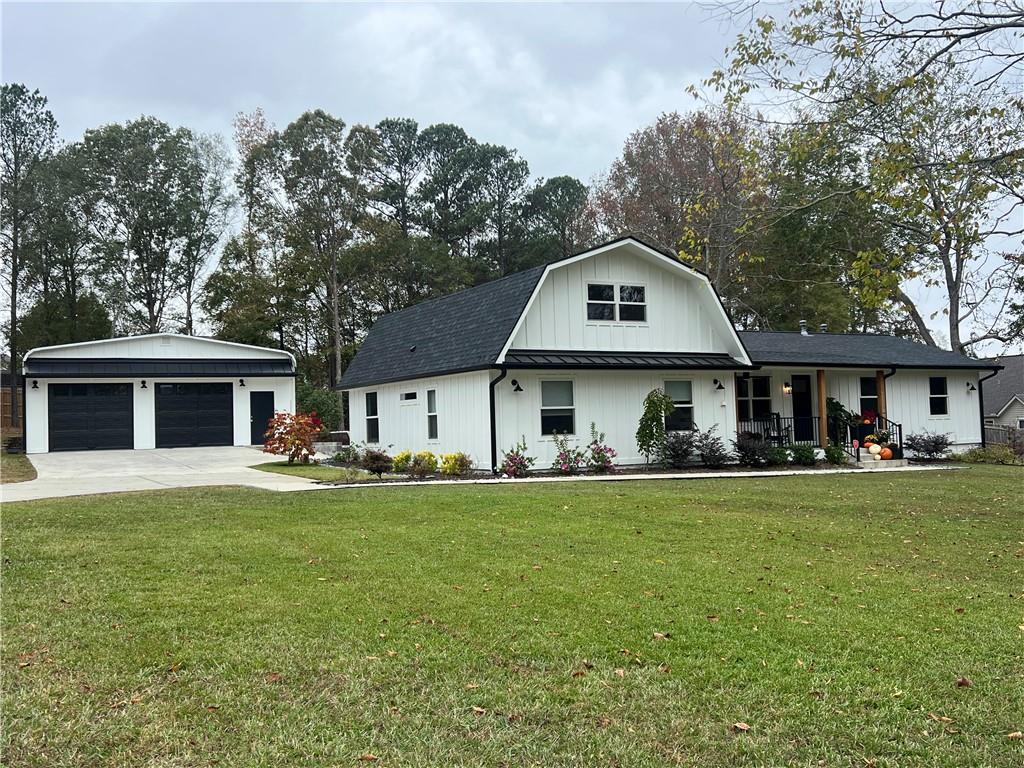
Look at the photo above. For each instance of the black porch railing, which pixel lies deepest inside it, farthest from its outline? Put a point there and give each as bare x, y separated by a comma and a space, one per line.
803, 430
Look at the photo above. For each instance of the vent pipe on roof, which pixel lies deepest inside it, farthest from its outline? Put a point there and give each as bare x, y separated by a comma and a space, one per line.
803, 328
823, 327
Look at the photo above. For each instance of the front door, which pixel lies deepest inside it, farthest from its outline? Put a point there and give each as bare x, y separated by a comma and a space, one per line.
803, 410
261, 410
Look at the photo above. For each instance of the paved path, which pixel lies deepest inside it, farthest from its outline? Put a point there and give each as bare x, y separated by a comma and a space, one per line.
76, 473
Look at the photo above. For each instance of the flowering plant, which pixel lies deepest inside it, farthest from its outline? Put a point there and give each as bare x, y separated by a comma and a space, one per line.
568, 458
600, 457
516, 462
291, 435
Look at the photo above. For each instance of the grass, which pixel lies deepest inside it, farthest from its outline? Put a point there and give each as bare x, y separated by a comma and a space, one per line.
15, 468
544, 624
317, 472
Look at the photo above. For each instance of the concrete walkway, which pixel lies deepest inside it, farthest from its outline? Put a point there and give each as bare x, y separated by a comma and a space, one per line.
77, 473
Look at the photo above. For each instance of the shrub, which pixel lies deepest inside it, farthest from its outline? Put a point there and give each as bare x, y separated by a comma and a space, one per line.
568, 458
291, 435
990, 454
600, 456
751, 449
311, 399
402, 460
516, 462
456, 464
423, 463
348, 455
928, 445
1015, 439
776, 456
834, 454
376, 462
804, 455
711, 448
677, 450
650, 432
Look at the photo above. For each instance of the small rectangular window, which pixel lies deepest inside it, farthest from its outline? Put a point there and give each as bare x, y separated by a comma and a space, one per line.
681, 419
372, 419
632, 304
431, 414
868, 395
600, 302
557, 410
611, 302
408, 397
938, 396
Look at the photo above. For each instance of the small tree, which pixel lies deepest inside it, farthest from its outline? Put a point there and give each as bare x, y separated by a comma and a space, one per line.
650, 432
291, 435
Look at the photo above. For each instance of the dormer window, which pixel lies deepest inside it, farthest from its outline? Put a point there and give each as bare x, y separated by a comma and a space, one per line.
616, 302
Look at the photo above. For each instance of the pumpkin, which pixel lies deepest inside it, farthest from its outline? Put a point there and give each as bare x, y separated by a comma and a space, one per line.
886, 454
874, 449
876, 456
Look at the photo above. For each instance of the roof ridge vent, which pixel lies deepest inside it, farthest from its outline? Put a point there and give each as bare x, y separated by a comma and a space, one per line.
803, 328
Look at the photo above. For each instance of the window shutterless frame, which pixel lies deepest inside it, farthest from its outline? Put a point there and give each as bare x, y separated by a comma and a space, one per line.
868, 394
614, 302
372, 418
557, 407
938, 396
753, 397
681, 392
431, 414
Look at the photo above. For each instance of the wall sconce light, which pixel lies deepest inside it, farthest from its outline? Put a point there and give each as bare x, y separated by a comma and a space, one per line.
143, 384
719, 386
787, 388
35, 384
241, 382
971, 387
515, 386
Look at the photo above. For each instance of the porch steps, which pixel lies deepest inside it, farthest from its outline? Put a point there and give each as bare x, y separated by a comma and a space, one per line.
882, 465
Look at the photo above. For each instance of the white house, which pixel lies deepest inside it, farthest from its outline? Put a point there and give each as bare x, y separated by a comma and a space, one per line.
583, 340
155, 391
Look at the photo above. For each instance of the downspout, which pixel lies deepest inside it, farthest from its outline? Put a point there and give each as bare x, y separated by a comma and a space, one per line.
981, 404
494, 420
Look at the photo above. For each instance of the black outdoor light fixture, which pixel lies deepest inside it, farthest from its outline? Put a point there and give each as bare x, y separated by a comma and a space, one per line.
971, 387
35, 384
241, 382
787, 388
719, 386
143, 384
515, 386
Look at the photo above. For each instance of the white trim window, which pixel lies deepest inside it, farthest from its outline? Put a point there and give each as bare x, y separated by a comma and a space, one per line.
753, 397
432, 414
938, 396
869, 395
557, 407
616, 302
408, 398
372, 418
681, 419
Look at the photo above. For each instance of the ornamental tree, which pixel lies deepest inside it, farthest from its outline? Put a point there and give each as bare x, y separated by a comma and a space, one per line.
291, 435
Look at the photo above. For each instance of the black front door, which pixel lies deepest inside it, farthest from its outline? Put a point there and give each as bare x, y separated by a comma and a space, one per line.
261, 410
85, 417
194, 414
803, 410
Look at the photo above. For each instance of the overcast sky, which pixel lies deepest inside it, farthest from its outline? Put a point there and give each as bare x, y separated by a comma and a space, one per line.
563, 84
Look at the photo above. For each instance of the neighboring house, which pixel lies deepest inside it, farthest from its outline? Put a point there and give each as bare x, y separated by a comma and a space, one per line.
584, 339
1004, 393
155, 391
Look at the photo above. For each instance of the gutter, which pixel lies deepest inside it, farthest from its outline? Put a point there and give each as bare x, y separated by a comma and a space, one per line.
494, 429
981, 403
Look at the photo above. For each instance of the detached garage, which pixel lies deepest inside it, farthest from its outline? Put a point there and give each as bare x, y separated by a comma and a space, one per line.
156, 391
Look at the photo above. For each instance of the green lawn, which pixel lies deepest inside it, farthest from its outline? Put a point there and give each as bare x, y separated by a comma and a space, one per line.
15, 468
317, 472
625, 624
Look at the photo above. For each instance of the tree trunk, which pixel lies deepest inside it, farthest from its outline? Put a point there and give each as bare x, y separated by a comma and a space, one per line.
336, 323
15, 269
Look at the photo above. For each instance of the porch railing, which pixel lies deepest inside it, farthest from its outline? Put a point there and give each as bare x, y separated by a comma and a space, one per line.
803, 430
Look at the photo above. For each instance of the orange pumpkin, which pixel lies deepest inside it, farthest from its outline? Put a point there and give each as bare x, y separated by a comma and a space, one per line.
886, 453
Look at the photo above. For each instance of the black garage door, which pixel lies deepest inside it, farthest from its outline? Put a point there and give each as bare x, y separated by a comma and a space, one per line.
89, 416
194, 414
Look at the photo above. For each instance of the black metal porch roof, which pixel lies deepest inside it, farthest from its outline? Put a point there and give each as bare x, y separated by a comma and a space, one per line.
126, 367
547, 358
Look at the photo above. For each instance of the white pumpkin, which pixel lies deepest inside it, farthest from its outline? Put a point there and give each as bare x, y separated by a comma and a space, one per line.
875, 449
876, 456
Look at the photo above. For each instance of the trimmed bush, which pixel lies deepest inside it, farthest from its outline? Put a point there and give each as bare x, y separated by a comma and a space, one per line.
423, 463
804, 455
834, 454
376, 462
928, 445
777, 456
677, 450
456, 464
711, 448
516, 462
348, 455
751, 449
402, 461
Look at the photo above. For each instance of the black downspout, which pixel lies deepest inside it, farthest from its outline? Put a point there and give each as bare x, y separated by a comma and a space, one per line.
981, 404
494, 420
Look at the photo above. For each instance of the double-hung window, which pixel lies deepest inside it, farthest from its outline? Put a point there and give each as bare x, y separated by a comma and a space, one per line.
681, 418
431, 414
753, 397
616, 302
868, 395
557, 409
372, 418
938, 396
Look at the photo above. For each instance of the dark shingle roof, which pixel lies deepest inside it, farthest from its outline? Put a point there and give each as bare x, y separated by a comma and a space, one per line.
1006, 384
464, 331
850, 349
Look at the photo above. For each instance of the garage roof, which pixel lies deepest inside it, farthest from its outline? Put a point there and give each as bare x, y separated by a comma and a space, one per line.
130, 367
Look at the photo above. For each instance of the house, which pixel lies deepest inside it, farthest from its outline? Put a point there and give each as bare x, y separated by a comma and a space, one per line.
156, 391
583, 340
1004, 393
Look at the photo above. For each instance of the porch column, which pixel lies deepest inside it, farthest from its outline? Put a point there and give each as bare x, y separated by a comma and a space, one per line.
822, 410
880, 389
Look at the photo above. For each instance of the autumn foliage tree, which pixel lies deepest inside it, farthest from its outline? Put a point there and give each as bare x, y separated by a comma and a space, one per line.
292, 435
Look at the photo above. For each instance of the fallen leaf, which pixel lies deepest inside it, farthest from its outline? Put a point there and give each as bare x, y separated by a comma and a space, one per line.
1016, 735
604, 721
368, 758
274, 677
213, 707
472, 686
964, 682
940, 718
712, 618
662, 635
664, 668
959, 610
479, 711
620, 673
740, 727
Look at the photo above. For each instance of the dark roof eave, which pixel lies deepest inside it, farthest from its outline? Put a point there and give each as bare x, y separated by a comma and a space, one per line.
345, 386
874, 366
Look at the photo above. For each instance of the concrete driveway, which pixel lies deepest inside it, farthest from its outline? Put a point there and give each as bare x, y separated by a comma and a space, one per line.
76, 473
